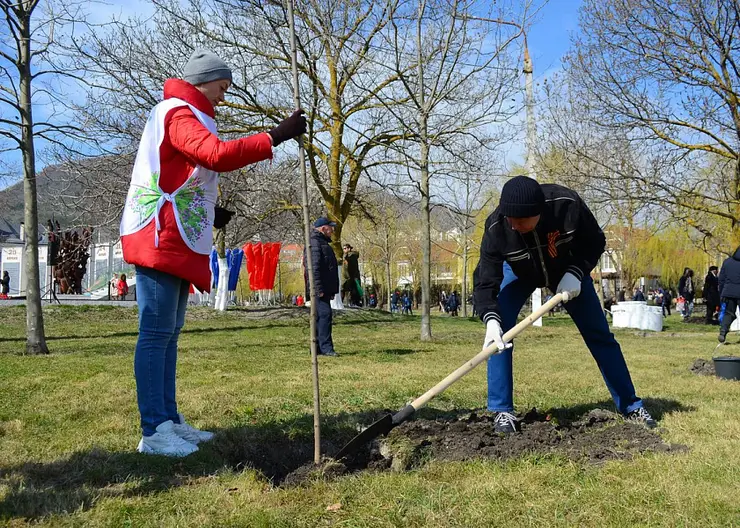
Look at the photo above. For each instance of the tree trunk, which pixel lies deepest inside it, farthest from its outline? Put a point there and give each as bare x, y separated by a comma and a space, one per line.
389, 291
426, 242
465, 278
35, 336
388, 258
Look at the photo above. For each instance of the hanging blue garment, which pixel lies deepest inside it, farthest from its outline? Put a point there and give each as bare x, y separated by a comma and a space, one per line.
722, 310
214, 268
237, 257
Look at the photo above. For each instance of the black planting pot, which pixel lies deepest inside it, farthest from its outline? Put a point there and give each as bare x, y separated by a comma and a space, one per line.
727, 367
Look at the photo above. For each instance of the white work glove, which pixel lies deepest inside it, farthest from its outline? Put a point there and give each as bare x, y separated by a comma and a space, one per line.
569, 284
494, 334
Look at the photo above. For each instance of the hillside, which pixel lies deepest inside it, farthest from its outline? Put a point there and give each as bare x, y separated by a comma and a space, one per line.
73, 194
50, 182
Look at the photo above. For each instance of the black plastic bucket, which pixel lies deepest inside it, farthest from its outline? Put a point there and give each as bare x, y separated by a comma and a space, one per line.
727, 367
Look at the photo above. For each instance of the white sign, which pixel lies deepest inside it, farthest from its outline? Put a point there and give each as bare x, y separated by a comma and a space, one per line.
101, 252
42, 255
12, 254
118, 251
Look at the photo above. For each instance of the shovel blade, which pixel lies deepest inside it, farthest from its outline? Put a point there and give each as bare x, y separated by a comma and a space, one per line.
380, 428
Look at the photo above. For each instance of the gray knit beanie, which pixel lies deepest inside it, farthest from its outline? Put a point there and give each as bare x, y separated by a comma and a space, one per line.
204, 66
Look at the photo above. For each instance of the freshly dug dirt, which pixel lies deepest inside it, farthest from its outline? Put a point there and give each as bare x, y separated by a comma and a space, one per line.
594, 437
703, 367
328, 469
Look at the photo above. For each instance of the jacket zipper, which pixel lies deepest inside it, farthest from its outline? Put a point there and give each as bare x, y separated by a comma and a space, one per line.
542, 259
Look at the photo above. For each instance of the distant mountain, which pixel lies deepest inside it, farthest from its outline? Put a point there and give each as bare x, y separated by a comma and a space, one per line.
49, 183
73, 194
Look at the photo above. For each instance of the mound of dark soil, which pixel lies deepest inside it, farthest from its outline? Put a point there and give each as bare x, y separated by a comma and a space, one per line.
703, 367
594, 437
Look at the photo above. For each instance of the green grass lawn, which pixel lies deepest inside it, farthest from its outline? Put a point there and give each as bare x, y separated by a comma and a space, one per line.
69, 426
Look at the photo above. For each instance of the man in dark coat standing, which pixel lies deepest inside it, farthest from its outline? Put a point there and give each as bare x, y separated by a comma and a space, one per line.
326, 281
729, 291
351, 275
711, 294
544, 236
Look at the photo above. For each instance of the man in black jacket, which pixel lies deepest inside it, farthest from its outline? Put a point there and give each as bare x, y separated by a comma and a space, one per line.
544, 236
710, 292
729, 291
326, 281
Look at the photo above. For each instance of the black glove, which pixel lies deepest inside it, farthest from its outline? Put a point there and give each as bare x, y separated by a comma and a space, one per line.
289, 128
223, 216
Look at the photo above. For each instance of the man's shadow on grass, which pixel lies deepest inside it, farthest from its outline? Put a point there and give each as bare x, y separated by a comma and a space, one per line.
274, 449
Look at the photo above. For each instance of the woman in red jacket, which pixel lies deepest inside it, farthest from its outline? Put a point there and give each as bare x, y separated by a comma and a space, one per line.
167, 231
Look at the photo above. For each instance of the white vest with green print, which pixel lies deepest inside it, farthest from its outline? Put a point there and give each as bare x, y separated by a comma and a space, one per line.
193, 202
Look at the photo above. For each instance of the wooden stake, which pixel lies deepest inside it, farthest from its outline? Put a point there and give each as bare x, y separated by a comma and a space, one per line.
307, 245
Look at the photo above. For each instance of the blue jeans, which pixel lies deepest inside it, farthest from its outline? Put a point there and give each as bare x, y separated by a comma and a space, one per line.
162, 300
323, 325
586, 312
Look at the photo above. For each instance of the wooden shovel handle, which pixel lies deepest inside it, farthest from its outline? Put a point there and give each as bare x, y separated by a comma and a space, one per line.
487, 352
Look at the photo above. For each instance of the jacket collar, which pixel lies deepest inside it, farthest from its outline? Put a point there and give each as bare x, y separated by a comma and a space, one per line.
319, 234
177, 88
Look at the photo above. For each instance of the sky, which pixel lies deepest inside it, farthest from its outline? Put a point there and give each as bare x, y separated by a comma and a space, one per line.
549, 39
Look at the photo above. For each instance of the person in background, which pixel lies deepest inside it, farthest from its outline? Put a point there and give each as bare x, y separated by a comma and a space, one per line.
710, 293
167, 227
687, 290
453, 304
622, 297
299, 301
407, 304
326, 281
122, 287
609, 302
5, 283
729, 291
665, 300
113, 287
639, 296
443, 301
350, 275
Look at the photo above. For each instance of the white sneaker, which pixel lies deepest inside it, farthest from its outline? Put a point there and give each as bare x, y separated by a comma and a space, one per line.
189, 433
166, 442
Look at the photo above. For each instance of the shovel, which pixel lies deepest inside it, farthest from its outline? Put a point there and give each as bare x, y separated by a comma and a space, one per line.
389, 421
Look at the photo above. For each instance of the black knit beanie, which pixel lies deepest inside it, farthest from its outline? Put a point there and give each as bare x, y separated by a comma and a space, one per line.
521, 197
